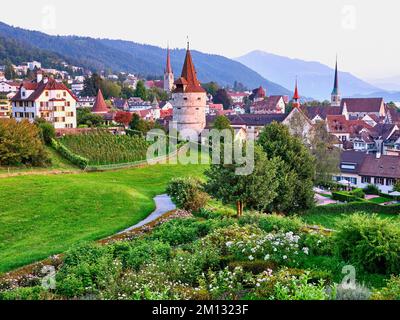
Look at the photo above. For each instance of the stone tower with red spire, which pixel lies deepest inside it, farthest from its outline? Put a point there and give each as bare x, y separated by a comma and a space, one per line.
189, 99
296, 97
168, 75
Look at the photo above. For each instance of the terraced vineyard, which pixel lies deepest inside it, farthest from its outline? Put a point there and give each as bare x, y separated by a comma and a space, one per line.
101, 147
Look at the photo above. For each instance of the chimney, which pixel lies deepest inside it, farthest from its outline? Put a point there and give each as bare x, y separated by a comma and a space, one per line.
39, 76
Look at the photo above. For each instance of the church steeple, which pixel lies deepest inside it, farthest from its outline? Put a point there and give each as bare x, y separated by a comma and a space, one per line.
335, 96
168, 74
296, 97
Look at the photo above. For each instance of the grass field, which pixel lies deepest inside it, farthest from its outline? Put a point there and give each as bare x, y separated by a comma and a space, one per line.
58, 163
47, 214
330, 220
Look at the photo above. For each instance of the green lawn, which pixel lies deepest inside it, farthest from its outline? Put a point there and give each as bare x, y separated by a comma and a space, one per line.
330, 220
47, 214
58, 163
380, 200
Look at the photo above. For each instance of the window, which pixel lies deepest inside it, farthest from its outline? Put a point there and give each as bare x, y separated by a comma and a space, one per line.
365, 179
64, 94
390, 182
47, 94
380, 181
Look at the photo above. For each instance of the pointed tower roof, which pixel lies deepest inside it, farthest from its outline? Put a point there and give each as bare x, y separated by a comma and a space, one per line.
189, 77
296, 93
336, 83
168, 68
100, 105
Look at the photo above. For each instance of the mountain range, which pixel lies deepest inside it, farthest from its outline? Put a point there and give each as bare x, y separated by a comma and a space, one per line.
315, 79
142, 59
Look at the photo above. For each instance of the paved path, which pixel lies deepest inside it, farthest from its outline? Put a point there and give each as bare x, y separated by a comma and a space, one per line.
164, 204
323, 201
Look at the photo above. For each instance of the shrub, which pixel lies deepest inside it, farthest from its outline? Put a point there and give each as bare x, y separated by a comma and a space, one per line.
66, 153
284, 285
142, 251
272, 222
369, 242
255, 267
371, 189
86, 270
359, 193
224, 284
21, 144
32, 293
354, 207
187, 193
390, 292
359, 292
47, 132
186, 230
344, 197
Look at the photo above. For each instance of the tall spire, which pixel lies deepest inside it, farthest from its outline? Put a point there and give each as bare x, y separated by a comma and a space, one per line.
168, 68
335, 96
296, 92
296, 97
336, 83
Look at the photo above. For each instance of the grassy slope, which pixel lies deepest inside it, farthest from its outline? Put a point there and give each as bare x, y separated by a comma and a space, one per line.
330, 220
58, 163
45, 215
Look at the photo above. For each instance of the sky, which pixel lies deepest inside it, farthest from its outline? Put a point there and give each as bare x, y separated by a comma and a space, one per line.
362, 32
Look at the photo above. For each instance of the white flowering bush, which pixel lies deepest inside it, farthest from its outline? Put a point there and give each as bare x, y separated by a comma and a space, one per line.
280, 248
150, 283
225, 284
286, 286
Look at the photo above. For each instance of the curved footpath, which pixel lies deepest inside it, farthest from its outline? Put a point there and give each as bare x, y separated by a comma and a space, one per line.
164, 204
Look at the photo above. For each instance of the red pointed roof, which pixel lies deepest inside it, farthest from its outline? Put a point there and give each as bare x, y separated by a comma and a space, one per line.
168, 68
296, 93
100, 105
188, 77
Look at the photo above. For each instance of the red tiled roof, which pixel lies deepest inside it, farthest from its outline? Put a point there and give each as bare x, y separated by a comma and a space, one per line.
366, 105
100, 105
39, 88
270, 104
337, 124
385, 166
188, 81
321, 111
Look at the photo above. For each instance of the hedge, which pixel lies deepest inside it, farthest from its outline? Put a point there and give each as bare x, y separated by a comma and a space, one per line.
344, 197
77, 160
353, 207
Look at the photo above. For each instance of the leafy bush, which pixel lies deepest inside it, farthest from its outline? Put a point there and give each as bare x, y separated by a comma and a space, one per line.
86, 270
187, 230
47, 132
224, 284
187, 193
68, 154
359, 292
284, 285
29, 293
344, 197
255, 267
371, 189
272, 222
390, 292
369, 242
143, 251
359, 193
21, 144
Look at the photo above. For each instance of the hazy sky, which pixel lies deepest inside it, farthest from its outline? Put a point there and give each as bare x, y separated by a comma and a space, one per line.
364, 33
